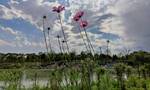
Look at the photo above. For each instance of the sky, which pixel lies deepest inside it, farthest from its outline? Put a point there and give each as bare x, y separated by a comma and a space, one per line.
125, 23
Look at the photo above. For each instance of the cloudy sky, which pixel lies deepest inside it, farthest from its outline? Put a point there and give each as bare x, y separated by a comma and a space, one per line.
126, 23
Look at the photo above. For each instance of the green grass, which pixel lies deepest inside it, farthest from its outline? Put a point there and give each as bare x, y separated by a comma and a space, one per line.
73, 78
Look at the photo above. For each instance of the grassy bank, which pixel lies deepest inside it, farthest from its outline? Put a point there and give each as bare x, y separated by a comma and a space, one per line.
87, 76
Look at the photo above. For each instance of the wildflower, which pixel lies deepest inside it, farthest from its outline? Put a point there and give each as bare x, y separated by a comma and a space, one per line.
79, 14
44, 18
58, 9
50, 45
76, 18
83, 24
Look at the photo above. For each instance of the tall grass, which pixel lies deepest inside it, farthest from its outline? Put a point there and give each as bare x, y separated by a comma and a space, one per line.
86, 76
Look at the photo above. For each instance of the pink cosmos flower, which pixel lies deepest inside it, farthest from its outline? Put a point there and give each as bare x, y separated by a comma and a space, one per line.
61, 8
76, 19
79, 14
58, 9
55, 9
83, 24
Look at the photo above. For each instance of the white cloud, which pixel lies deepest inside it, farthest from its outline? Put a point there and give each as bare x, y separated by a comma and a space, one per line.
134, 15
3, 43
19, 39
9, 30
7, 13
123, 18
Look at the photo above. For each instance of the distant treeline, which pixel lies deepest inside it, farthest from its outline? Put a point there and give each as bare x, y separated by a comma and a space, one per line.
132, 58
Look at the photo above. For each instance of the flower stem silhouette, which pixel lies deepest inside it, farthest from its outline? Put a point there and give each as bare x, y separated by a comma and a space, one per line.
63, 32
50, 45
100, 50
59, 43
46, 45
58, 10
107, 51
84, 24
84, 42
63, 48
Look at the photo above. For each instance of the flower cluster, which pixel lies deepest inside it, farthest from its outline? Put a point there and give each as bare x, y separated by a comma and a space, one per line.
78, 17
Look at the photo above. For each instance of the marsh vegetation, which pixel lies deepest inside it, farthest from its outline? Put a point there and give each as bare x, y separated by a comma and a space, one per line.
75, 72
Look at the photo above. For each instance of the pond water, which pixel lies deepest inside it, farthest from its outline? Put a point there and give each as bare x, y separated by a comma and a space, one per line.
27, 82
42, 80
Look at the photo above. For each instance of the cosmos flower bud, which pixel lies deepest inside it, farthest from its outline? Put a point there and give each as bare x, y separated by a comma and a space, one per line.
48, 28
44, 17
